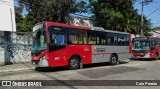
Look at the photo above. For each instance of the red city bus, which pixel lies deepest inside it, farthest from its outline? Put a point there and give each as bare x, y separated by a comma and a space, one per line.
146, 47
56, 44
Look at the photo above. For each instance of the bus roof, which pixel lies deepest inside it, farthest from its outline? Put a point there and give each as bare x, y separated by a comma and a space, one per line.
148, 37
116, 32
80, 27
68, 25
105, 30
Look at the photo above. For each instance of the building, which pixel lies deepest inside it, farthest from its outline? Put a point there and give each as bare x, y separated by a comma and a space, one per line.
7, 16
156, 33
79, 21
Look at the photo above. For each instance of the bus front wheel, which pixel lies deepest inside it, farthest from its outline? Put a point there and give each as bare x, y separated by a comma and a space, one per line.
114, 59
156, 56
74, 63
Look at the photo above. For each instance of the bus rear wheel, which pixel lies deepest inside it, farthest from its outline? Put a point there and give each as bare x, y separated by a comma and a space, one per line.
156, 56
114, 60
74, 63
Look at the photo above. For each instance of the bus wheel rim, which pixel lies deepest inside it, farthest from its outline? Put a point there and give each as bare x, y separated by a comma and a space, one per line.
114, 60
74, 62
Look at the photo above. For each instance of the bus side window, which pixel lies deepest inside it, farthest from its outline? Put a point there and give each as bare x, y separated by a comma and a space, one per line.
153, 44
108, 41
60, 39
123, 40
53, 39
57, 39
76, 36
101, 38
84, 36
91, 37
157, 42
127, 40
111, 38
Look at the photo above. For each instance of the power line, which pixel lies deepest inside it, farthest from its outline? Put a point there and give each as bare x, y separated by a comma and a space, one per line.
153, 12
154, 31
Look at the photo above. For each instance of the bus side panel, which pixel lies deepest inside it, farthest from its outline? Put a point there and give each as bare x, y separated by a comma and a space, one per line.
61, 57
154, 51
57, 57
103, 53
84, 51
130, 44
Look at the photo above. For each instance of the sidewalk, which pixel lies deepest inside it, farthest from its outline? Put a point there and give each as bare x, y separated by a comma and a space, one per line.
16, 67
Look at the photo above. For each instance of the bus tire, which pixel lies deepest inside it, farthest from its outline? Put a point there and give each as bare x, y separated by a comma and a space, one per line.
74, 63
114, 59
156, 56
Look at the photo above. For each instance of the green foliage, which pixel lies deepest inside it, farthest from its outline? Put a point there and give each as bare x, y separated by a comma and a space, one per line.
50, 10
19, 19
156, 28
118, 15
22, 23
110, 14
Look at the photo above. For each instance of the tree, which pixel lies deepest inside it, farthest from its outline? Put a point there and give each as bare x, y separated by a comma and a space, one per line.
19, 18
118, 15
156, 28
105, 15
52, 10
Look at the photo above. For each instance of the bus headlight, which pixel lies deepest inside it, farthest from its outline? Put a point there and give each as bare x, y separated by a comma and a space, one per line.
148, 53
42, 58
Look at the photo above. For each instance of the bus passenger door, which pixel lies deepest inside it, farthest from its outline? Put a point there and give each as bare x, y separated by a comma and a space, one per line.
57, 45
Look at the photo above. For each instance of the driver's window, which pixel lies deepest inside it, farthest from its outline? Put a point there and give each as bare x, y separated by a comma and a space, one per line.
153, 44
56, 36
57, 39
43, 39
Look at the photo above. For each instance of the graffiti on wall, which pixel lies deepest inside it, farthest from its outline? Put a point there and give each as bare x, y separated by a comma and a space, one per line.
1, 46
16, 47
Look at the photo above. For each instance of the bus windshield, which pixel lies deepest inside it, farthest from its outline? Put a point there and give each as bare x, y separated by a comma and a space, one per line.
141, 45
39, 41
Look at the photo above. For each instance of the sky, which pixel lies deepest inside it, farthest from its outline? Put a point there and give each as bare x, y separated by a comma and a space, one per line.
151, 11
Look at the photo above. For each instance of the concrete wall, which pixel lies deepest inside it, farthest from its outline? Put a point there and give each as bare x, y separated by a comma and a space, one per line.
15, 47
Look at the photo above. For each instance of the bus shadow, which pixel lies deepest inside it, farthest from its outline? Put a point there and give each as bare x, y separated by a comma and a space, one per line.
142, 59
51, 69
88, 66
96, 65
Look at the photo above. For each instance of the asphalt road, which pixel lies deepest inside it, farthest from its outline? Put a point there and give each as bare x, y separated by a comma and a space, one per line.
133, 70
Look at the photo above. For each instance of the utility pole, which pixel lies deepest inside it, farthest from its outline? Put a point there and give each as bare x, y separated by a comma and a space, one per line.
142, 19
145, 2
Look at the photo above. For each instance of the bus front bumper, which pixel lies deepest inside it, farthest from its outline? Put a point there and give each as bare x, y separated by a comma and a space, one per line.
147, 55
42, 63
